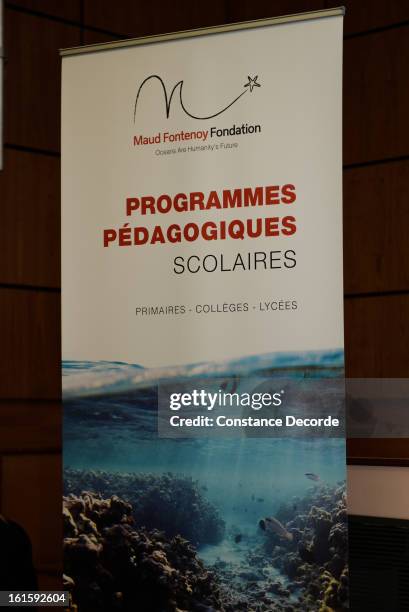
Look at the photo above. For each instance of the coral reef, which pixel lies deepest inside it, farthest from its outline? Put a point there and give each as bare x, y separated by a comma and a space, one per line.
307, 574
172, 504
111, 564
126, 548
315, 562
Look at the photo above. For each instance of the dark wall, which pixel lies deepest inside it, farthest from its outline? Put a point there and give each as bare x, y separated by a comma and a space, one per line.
376, 214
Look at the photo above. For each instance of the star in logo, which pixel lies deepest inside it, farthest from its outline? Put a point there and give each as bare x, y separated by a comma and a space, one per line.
252, 83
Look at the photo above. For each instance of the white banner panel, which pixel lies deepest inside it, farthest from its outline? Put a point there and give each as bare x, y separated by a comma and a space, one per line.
288, 124
202, 237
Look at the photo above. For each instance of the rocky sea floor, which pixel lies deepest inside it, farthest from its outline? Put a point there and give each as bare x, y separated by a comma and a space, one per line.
134, 542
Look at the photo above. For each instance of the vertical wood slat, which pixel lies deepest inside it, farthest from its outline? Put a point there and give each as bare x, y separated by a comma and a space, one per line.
30, 219
1, 484
91, 37
365, 15
48, 581
30, 334
376, 96
246, 10
376, 221
360, 16
65, 9
30, 427
139, 19
377, 337
32, 78
31, 496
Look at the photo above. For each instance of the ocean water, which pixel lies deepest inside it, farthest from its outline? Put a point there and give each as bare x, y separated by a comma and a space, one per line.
110, 424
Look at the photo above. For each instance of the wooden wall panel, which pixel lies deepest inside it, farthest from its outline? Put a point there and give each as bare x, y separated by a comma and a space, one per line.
376, 99
30, 337
48, 581
31, 495
389, 451
260, 9
361, 15
32, 78
30, 219
376, 222
376, 96
139, 19
364, 15
377, 337
91, 37
29, 426
67, 9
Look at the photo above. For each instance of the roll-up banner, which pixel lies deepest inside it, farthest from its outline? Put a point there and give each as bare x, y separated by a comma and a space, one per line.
202, 320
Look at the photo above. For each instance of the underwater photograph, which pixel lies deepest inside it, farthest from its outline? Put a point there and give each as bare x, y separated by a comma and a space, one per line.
198, 524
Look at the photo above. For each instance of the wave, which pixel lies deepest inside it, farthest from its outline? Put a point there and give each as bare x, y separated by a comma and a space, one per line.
95, 378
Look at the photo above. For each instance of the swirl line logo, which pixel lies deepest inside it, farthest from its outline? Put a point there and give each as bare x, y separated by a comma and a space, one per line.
252, 82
